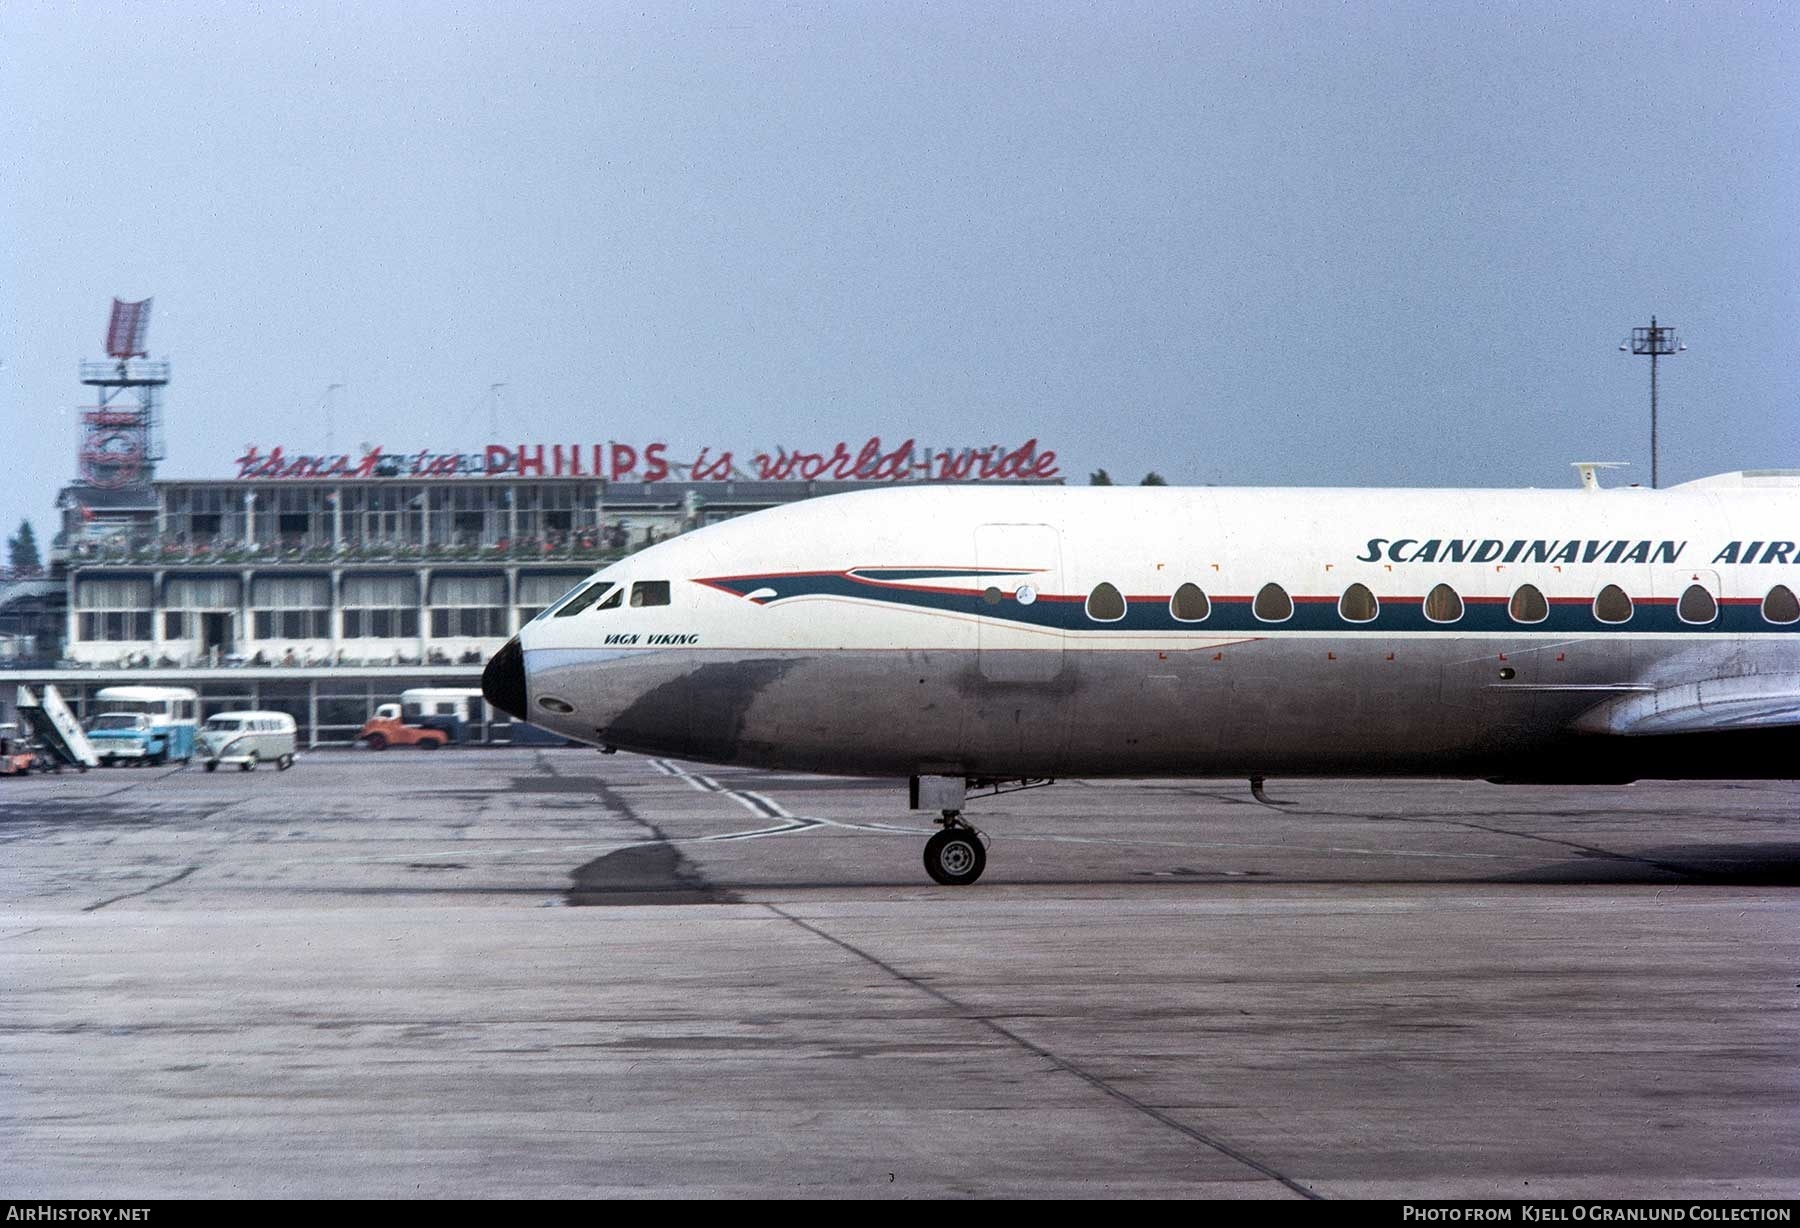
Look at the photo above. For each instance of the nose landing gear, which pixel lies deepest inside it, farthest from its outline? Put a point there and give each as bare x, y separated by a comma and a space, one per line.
955, 856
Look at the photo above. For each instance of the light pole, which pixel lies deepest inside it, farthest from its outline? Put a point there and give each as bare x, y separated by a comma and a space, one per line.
1655, 341
325, 404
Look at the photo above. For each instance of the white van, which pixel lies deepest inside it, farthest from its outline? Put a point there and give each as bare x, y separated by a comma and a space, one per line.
246, 739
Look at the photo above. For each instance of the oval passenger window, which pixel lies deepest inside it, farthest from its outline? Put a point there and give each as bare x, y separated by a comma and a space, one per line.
1105, 604
1443, 604
1358, 605
1613, 605
1528, 605
1697, 605
1272, 604
1781, 606
1189, 604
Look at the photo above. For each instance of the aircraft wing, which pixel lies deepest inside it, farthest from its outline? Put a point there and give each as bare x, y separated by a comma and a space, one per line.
1752, 701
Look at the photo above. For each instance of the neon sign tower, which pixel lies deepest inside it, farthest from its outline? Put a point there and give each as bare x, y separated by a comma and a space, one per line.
121, 434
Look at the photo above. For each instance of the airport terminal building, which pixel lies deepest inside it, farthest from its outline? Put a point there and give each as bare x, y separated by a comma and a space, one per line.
325, 599
324, 586
371, 572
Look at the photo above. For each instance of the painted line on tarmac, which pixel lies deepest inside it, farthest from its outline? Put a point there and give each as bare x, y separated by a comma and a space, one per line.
788, 823
972, 1015
758, 805
146, 891
767, 808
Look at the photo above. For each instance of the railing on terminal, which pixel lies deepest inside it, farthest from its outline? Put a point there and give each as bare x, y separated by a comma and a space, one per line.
154, 551
310, 659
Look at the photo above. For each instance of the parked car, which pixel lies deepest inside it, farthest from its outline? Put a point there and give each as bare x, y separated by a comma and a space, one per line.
247, 739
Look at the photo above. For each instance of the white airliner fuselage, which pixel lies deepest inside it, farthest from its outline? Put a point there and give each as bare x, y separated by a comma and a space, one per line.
995, 634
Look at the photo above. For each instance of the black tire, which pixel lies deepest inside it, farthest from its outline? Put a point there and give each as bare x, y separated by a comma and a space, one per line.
429, 743
284, 763
248, 765
376, 741
955, 857
212, 765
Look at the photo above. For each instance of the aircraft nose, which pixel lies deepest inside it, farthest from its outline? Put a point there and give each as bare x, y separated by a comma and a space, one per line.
503, 681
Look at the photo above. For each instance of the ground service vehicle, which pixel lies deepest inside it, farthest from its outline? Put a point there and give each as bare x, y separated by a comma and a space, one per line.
16, 754
247, 739
140, 725
426, 717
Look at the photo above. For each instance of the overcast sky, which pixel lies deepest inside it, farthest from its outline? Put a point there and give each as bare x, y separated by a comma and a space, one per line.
1385, 244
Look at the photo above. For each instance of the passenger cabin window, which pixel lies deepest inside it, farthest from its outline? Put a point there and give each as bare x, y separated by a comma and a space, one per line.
1105, 604
1272, 604
1697, 605
588, 597
1443, 604
649, 592
1781, 606
1528, 605
1358, 605
1613, 605
1189, 604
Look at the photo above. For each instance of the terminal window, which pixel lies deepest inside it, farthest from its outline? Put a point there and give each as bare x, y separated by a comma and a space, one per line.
469, 606
381, 607
115, 610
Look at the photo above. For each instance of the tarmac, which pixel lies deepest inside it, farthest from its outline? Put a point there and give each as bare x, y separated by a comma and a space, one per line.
549, 973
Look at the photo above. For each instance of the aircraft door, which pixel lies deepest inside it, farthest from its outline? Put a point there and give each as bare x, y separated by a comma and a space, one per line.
1689, 599
1017, 636
1671, 587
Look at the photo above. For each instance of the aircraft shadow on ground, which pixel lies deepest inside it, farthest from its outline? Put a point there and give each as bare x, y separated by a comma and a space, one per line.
660, 874
1725, 865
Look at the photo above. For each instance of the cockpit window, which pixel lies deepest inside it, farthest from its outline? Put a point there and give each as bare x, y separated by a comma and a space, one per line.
551, 610
650, 592
587, 597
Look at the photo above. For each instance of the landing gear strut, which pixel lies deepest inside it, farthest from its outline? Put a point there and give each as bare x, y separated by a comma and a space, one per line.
955, 856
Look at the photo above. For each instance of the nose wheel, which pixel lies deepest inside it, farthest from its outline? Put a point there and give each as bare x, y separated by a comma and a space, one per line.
955, 856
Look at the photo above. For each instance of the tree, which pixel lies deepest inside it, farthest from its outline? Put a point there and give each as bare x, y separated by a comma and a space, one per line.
1153, 479
22, 551
1100, 477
